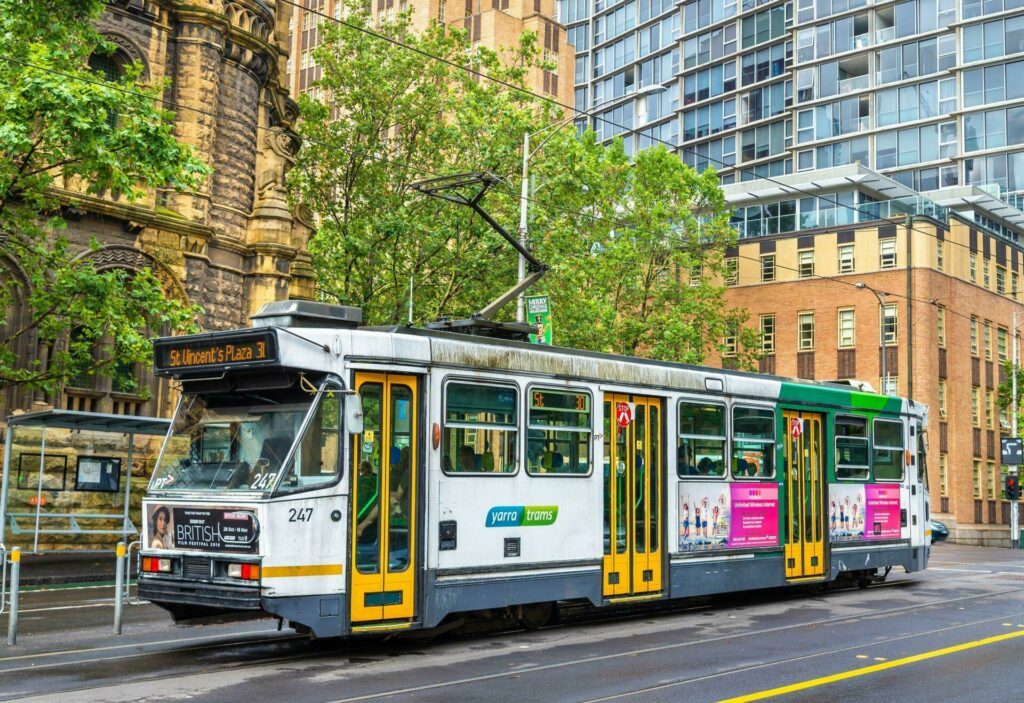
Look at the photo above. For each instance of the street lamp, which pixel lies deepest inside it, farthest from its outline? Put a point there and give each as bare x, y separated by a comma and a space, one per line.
881, 300
524, 198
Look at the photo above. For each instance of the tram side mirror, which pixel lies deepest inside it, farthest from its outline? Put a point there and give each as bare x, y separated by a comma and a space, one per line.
354, 413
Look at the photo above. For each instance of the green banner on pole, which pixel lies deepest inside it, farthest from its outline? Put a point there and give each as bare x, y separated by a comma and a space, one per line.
538, 314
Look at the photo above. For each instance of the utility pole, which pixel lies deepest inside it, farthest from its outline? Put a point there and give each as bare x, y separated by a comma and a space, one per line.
524, 198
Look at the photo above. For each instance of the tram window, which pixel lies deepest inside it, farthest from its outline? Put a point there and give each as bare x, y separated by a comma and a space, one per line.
316, 460
558, 433
888, 450
480, 429
753, 443
701, 449
851, 448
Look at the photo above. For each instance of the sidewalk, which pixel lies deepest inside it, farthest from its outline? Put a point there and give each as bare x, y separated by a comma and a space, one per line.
66, 567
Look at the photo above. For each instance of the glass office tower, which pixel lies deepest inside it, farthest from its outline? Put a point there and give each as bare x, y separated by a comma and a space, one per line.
928, 92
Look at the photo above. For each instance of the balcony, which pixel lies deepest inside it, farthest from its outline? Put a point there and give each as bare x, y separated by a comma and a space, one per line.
849, 85
885, 35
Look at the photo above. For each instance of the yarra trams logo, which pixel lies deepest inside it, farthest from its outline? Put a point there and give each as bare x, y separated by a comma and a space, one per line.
521, 515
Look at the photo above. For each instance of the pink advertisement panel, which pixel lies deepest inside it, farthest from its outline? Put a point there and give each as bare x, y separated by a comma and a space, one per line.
755, 515
882, 512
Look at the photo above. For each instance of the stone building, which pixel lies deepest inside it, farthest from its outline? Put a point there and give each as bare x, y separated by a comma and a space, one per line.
231, 245
495, 24
937, 303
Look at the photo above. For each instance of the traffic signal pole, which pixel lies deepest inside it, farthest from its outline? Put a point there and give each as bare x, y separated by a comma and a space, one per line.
1014, 529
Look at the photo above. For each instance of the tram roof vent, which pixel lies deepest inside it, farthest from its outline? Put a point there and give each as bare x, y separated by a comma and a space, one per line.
864, 386
306, 313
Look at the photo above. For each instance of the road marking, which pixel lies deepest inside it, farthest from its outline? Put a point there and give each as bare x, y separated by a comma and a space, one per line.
67, 607
963, 571
874, 668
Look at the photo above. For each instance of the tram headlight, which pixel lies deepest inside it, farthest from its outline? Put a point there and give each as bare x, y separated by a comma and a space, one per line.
246, 572
155, 565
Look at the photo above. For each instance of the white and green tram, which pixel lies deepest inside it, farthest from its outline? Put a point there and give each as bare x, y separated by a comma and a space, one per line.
354, 479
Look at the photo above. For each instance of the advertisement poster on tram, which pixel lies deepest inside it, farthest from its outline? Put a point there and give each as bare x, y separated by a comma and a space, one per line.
882, 512
203, 529
728, 515
846, 513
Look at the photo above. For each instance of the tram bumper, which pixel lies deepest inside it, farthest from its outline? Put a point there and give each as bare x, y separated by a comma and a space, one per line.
193, 600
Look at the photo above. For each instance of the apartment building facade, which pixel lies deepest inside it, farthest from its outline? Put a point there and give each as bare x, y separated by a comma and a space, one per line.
912, 297
495, 24
925, 91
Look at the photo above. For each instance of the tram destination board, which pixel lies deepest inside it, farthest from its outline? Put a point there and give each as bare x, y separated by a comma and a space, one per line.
205, 352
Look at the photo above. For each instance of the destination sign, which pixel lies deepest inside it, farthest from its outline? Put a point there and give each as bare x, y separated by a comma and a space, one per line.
192, 352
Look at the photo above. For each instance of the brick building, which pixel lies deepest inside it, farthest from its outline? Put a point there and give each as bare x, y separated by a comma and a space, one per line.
234, 243
495, 24
950, 287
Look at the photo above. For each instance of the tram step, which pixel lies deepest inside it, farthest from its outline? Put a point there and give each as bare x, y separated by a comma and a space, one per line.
382, 626
636, 599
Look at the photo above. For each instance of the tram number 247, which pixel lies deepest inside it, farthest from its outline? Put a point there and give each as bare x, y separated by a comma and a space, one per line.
299, 514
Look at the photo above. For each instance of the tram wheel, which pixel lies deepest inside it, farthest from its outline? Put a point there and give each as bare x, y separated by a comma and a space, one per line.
535, 615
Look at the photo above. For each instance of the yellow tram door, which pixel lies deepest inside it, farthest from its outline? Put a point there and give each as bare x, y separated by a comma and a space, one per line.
805, 495
632, 563
385, 472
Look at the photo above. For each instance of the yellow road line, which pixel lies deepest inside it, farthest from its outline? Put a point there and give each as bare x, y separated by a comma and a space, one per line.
274, 572
864, 671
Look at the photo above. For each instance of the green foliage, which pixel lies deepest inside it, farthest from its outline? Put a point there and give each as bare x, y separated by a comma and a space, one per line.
1005, 394
64, 128
619, 235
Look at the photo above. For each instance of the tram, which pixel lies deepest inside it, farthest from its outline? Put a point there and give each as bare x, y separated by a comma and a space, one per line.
356, 479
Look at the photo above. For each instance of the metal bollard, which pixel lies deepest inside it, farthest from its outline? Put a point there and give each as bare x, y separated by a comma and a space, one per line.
119, 588
12, 619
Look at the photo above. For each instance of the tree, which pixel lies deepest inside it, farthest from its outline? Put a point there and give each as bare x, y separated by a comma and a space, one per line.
65, 129
620, 235
1005, 394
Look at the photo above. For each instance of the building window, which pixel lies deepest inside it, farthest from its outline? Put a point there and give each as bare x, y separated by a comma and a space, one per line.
732, 273
1000, 280
846, 258
972, 267
987, 338
943, 475
441, 10
805, 259
1001, 337
696, 272
942, 398
990, 404
768, 268
1014, 281
985, 280
729, 341
974, 336
846, 329
890, 384
887, 253
975, 406
992, 474
805, 331
889, 326
941, 324
768, 334
977, 479
940, 259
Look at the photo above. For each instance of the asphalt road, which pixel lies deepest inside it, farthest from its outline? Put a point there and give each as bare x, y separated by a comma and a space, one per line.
952, 633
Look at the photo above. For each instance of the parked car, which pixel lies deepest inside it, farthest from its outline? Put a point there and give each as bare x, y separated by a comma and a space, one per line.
939, 531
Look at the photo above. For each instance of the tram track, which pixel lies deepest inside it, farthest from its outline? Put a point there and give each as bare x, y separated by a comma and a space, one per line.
88, 657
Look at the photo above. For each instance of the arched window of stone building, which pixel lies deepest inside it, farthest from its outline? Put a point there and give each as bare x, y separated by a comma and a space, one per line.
15, 338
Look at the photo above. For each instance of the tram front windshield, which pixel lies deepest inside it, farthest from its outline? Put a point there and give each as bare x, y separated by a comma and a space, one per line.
230, 442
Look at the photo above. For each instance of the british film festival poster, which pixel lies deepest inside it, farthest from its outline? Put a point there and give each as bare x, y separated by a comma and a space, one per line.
882, 512
846, 512
538, 314
754, 515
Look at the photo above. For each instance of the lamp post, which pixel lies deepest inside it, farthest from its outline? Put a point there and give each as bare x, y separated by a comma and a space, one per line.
881, 301
524, 196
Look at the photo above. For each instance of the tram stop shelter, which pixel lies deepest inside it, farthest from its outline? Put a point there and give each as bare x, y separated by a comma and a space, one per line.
68, 475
